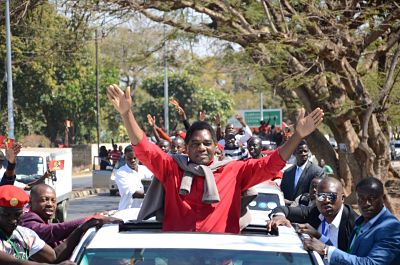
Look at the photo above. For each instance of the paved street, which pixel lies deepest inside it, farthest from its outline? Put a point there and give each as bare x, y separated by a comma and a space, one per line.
83, 207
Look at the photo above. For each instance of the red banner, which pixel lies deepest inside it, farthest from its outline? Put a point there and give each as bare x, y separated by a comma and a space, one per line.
56, 165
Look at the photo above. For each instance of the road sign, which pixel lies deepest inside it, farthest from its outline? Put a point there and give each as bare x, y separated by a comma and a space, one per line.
253, 117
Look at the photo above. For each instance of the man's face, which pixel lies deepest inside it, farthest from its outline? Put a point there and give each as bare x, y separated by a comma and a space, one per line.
164, 145
131, 160
201, 147
230, 142
178, 146
230, 129
370, 202
254, 146
44, 203
329, 198
313, 188
302, 154
9, 219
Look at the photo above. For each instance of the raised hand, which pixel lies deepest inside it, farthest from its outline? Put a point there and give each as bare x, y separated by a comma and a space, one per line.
202, 115
11, 153
181, 113
121, 100
151, 120
306, 125
217, 119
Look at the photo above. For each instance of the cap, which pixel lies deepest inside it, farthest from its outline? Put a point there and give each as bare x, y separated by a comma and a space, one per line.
12, 197
2, 156
182, 135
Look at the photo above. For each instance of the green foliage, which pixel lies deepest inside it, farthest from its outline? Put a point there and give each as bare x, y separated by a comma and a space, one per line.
53, 77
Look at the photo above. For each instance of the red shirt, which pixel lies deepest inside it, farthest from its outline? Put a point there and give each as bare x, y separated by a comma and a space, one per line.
188, 212
115, 155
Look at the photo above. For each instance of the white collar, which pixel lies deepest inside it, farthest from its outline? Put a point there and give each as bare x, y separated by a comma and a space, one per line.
336, 220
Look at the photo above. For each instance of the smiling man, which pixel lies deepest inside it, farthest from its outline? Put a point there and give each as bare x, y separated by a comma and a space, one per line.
211, 202
17, 243
41, 213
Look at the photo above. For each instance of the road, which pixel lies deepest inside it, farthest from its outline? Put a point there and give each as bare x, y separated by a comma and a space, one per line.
83, 207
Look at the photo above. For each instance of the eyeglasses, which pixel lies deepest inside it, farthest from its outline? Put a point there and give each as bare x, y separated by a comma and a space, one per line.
332, 196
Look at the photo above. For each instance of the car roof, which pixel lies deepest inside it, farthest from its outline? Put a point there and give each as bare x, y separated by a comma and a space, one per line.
287, 241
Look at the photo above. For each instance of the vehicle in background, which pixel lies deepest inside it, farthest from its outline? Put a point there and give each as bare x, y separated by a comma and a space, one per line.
33, 163
269, 197
395, 149
101, 178
145, 243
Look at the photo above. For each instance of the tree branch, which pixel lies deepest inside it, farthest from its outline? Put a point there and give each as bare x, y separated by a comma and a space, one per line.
383, 27
271, 23
387, 88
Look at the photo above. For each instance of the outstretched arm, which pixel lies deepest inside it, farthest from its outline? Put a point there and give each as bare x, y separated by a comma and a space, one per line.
122, 102
305, 126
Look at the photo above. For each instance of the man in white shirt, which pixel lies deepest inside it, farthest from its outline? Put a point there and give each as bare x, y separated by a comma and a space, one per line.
329, 220
128, 179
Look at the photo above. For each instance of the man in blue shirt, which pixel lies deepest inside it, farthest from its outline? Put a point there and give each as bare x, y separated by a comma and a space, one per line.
376, 235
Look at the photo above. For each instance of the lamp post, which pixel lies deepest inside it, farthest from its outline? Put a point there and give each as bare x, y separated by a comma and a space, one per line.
10, 98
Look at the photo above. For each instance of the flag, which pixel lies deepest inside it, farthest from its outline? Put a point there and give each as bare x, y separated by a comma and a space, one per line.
56, 165
9, 142
2, 139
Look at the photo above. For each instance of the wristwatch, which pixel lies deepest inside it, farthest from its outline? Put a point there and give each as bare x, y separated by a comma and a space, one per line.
326, 248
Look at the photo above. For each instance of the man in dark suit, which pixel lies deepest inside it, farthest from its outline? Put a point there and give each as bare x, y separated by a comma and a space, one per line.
328, 220
376, 235
297, 179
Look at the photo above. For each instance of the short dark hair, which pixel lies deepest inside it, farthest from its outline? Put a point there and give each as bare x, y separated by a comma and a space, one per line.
128, 149
198, 126
302, 142
371, 183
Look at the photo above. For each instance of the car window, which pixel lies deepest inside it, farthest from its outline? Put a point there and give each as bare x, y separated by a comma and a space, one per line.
265, 202
191, 257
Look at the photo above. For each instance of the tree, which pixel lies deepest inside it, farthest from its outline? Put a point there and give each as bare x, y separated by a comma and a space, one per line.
314, 53
53, 74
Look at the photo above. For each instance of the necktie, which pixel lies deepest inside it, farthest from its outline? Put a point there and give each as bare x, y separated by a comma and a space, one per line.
356, 234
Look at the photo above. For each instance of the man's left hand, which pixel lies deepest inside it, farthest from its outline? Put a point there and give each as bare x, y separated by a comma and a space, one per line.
314, 244
306, 125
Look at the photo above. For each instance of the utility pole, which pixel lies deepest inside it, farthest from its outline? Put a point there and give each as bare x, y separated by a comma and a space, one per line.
97, 92
166, 114
10, 98
261, 106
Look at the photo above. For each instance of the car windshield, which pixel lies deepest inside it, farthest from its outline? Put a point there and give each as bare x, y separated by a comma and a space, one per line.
190, 257
29, 168
264, 202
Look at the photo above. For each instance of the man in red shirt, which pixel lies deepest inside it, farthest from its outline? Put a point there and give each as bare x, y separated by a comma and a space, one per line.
196, 209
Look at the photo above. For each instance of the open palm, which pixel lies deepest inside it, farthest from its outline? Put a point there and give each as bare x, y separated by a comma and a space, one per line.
306, 125
121, 100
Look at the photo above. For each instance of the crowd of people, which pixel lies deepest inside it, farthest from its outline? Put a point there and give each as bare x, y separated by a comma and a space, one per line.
201, 178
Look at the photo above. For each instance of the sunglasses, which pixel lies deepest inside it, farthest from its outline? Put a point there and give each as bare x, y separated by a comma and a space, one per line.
332, 196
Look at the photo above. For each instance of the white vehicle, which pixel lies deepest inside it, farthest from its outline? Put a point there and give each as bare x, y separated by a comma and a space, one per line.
32, 163
269, 197
145, 244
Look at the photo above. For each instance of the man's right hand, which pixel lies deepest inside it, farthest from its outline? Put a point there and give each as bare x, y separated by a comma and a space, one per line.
11, 153
121, 100
277, 221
